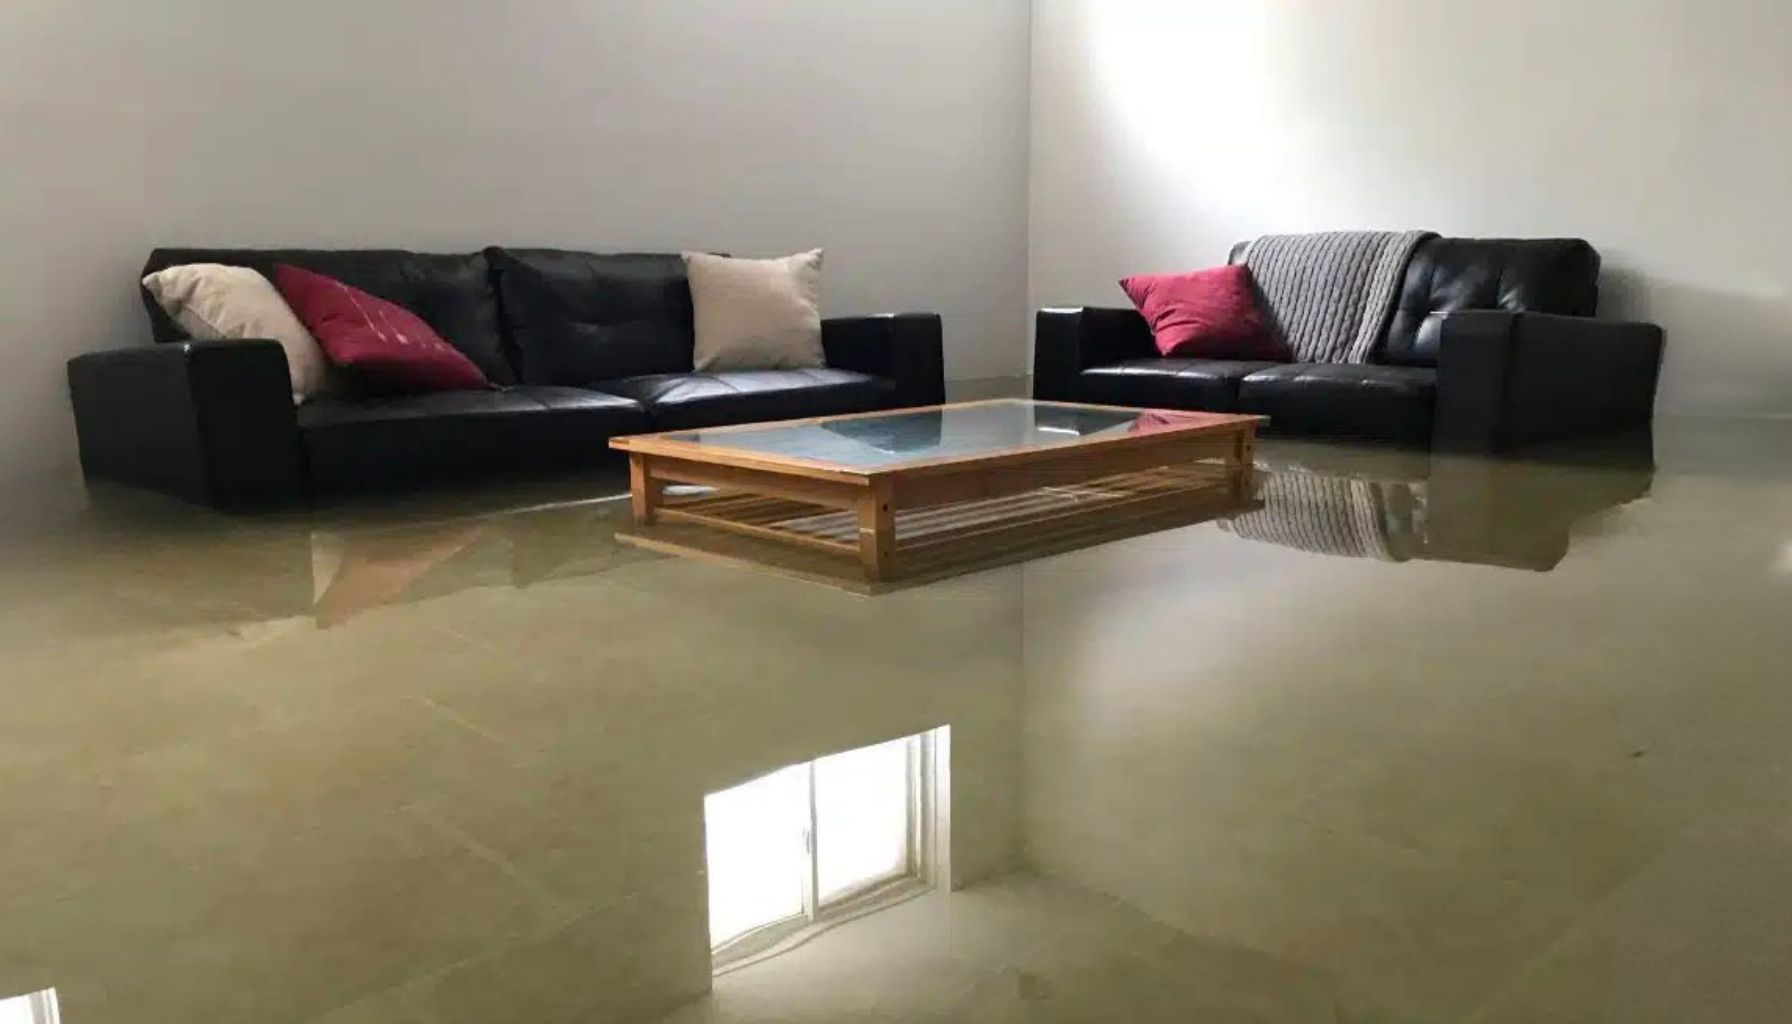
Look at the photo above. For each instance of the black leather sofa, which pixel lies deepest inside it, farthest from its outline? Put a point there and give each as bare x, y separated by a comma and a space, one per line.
584, 347
1492, 345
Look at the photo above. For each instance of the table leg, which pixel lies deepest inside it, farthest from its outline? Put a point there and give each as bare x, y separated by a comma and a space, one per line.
1244, 463
643, 490
877, 534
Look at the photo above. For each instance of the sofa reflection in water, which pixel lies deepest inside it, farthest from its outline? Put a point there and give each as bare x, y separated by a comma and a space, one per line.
357, 571
1401, 506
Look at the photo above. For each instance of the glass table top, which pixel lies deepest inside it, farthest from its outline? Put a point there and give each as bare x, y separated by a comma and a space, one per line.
917, 435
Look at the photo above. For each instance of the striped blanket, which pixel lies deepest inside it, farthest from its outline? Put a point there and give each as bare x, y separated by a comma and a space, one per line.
1326, 515
1330, 294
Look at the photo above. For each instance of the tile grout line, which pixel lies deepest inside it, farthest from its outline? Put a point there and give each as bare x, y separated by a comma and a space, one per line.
471, 844
456, 718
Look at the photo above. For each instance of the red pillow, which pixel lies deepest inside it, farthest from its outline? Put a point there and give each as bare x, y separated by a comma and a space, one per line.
1207, 314
381, 342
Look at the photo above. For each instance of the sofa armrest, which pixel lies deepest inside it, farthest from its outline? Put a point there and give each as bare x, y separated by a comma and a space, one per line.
208, 421
1068, 341
907, 348
1508, 379
1523, 514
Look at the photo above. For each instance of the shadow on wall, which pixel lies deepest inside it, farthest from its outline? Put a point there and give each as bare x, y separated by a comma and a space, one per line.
1711, 332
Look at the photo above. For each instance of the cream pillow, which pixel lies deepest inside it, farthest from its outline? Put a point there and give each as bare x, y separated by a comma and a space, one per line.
756, 314
213, 302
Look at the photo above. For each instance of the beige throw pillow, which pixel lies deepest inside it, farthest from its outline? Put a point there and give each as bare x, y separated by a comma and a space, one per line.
214, 302
757, 314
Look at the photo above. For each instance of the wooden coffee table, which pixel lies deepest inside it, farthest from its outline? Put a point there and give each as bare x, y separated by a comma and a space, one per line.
885, 486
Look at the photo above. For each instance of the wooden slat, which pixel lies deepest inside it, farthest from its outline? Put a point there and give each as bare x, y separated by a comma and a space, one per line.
1074, 532
1092, 515
915, 524
926, 522
820, 490
1130, 492
762, 532
925, 535
939, 488
781, 558
749, 508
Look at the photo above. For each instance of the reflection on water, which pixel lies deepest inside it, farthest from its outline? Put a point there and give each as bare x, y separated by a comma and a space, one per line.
442, 767
358, 570
1386, 505
803, 846
34, 1008
1518, 515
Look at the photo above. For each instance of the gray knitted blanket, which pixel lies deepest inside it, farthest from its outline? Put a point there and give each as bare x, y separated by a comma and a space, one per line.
1330, 294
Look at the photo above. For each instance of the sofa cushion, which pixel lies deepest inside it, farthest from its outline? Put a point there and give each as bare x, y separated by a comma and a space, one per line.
1541, 275
380, 344
1207, 384
378, 442
213, 302
578, 317
682, 401
1389, 403
756, 314
1206, 314
451, 292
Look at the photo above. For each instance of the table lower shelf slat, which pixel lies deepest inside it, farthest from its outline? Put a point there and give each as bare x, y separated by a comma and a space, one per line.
928, 537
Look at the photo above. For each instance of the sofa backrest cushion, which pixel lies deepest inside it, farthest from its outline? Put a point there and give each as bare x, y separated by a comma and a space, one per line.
452, 292
1540, 275
577, 318
1518, 275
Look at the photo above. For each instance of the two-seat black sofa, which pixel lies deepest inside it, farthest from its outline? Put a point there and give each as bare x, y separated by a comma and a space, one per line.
1492, 345
583, 347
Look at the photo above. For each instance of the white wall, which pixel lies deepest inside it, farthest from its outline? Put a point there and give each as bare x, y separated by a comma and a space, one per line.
893, 132
1659, 129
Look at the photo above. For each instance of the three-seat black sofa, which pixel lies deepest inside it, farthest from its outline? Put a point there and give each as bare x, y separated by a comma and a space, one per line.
583, 347
1492, 345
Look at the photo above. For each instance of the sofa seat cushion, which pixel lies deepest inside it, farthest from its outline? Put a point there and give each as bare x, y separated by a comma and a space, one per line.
1367, 400
683, 401
372, 442
1210, 385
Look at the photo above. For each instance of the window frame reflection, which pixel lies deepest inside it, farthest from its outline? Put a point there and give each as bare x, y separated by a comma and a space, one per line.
917, 872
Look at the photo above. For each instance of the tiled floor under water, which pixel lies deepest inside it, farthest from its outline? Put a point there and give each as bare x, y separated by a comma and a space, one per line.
1422, 740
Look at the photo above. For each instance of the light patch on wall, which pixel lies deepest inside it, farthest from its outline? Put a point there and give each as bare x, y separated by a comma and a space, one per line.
1184, 81
1145, 64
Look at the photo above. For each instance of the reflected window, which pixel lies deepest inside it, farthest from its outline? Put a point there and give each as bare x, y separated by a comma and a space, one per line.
35, 1008
819, 841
